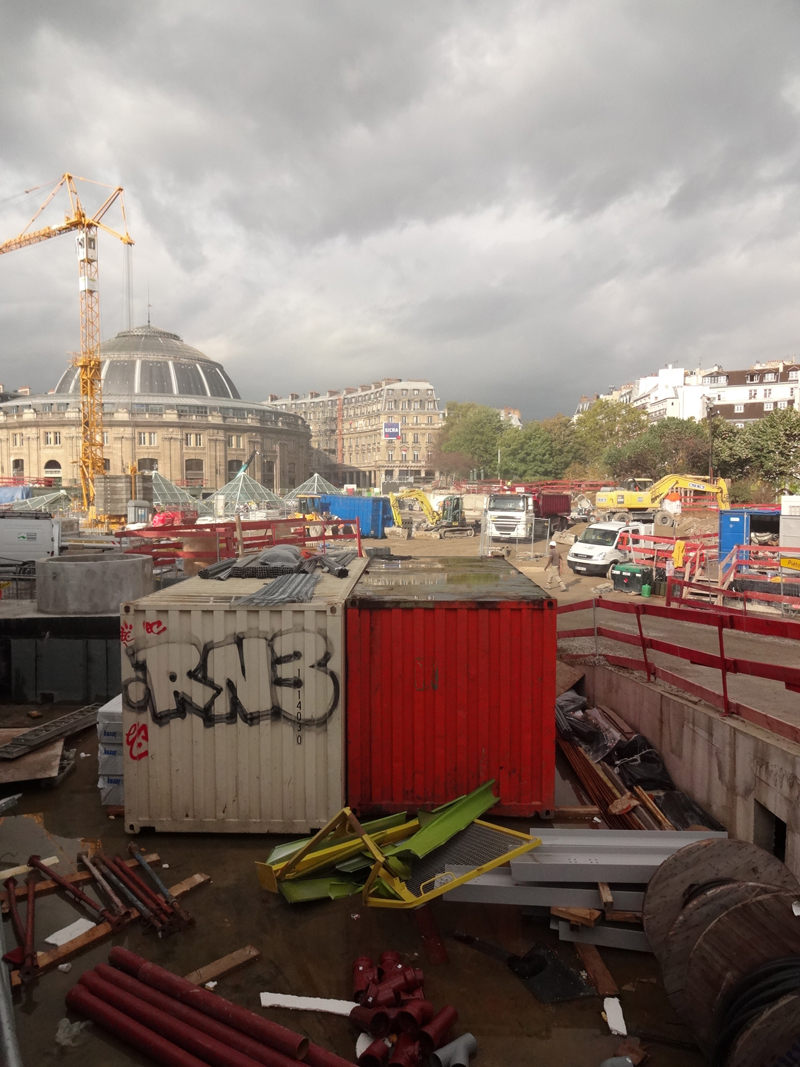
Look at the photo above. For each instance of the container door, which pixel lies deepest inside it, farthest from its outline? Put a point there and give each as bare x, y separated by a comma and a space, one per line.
734, 529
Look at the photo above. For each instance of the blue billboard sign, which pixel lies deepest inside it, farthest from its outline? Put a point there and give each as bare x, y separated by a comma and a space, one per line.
391, 431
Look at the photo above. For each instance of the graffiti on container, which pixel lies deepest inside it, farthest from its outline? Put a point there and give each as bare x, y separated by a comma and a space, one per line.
136, 739
126, 633
155, 627
213, 687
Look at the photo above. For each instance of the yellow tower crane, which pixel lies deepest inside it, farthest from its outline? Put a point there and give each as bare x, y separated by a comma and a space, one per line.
88, 360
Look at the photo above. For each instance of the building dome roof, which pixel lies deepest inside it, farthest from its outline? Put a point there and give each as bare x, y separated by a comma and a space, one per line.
150, 362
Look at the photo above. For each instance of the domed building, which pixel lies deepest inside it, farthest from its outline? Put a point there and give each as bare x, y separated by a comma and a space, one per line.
166, 407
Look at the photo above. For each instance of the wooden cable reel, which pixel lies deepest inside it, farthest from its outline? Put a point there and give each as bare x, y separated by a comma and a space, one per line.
743, 938
705, 863
692, 922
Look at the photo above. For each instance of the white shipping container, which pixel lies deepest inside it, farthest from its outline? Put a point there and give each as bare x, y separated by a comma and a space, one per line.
233, 717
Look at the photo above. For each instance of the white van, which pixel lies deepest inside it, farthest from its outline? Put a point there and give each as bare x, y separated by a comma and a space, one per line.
596, 550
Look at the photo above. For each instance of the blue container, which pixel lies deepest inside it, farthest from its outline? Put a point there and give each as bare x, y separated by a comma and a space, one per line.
374, 513
736, 525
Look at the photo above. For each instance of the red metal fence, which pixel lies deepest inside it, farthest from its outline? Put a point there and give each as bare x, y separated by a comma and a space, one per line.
726, 665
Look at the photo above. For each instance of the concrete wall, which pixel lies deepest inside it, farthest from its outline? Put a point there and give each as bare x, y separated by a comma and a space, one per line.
727, 765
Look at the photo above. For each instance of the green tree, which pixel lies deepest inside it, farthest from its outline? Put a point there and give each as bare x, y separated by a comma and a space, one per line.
563, 436
669, 446
607, 424
470, 434
774, 446
527, 453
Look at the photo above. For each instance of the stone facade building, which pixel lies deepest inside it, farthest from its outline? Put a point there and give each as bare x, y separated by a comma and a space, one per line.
166, 407
385, 431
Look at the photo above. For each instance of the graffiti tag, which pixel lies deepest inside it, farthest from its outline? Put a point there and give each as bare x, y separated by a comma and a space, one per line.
242, 677
126, 633
136, 739
156, 627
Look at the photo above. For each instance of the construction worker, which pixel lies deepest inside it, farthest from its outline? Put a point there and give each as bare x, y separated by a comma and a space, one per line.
554, 560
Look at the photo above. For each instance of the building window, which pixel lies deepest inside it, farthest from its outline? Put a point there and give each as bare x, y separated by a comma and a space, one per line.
18, 468
752, 394
105, 437
431, 405
48, 438
430, 439
194, 471
390, 405
767, 393
738, 407
415, 420
416, 457
753, 377
416, 403
430, 456
771, 377
51, 437
716, 379
235, 440
194, 440
404, 392
146, 438
430, 392
17, 440
404, 405
403, 455
793, 375
782, 403
150, 465
415, 439
769, 406
390, 456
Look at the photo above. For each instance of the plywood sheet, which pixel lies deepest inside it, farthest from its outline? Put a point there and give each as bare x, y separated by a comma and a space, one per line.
42, 763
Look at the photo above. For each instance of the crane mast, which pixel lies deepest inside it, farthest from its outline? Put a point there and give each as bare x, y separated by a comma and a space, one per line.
88, 359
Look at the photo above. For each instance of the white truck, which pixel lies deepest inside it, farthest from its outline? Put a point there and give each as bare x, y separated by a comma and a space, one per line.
597, 549
510, 516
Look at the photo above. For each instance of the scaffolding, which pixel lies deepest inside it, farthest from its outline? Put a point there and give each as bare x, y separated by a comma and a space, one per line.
316, 485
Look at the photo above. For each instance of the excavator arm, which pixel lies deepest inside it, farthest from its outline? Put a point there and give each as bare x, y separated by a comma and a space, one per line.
431, 514
665, 485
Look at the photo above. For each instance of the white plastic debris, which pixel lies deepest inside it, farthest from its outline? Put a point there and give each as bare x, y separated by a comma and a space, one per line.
612, 1009
211, 986
796, 907
84, 755
365, 1040
287, 1000
164, 866
71, 1035
60, 937
65, 968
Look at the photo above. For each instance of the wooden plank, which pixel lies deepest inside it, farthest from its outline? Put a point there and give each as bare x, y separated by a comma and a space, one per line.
606, 896
46, 886
624, 917
599, 974
226, 965
579, 811
653, 808
49, 960
189, 883
14, 872
579, 916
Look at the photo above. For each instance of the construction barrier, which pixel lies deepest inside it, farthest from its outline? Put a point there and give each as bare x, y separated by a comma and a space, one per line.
721, 621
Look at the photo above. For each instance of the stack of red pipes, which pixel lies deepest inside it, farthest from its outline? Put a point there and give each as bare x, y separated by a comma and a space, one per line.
179, 1024
392, 1004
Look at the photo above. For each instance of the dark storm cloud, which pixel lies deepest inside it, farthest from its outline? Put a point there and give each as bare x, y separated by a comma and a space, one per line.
523, 201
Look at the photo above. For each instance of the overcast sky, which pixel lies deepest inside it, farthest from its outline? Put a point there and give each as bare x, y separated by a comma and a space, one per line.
521, 201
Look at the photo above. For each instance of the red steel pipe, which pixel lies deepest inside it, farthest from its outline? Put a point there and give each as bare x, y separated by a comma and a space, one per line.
374, 1055
434, 1034
364, 972
160, 1050
406, 1052
161, 1022
272, 1034
30, 964
203, 1023
415, 1015
317, 1056
375, 1021
389, 961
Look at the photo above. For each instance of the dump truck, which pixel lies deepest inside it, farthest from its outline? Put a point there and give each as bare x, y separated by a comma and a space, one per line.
511, 515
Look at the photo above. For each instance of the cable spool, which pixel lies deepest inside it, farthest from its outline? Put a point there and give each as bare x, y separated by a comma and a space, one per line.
727, 954
700, 865
707, 905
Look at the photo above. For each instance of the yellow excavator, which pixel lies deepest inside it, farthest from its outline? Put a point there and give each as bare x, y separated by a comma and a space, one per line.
448, 520
640, 497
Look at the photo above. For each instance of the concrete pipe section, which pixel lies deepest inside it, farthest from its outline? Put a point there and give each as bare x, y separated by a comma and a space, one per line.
89, 583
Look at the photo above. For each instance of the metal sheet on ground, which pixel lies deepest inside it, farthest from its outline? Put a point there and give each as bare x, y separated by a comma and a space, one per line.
498, 887
42, 763
610, 936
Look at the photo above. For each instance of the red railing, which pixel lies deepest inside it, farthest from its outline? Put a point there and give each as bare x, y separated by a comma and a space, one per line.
210, 542
726, 665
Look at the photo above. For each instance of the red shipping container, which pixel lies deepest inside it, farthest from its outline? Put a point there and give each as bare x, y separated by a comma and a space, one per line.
450, 681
